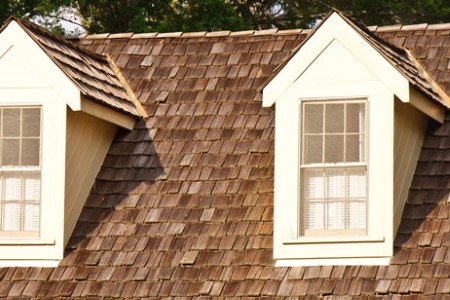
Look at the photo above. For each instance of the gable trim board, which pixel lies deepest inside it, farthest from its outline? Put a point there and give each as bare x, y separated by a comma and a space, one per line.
336, 27
115, 93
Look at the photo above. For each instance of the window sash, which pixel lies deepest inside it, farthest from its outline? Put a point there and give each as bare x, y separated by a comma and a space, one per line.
20, 171
334, 210
334, 200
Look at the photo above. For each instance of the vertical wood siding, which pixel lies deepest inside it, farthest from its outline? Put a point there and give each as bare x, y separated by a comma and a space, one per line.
88, 140
409, 131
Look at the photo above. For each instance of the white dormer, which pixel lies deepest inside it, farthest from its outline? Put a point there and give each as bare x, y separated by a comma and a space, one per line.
348, 132
53, 140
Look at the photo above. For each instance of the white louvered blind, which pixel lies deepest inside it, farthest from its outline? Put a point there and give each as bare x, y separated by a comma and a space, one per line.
334, 170
20, 173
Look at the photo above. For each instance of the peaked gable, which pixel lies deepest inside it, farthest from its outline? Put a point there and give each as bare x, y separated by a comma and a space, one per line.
92, 75
395, 66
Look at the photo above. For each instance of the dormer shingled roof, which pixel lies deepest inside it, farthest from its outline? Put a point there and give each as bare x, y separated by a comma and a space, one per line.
183, 204
399, 57
91, 73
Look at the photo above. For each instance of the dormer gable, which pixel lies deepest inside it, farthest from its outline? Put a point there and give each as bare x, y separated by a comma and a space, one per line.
394, 67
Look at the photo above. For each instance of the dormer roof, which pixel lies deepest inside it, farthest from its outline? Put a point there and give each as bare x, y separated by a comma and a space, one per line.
402, 59
94, 75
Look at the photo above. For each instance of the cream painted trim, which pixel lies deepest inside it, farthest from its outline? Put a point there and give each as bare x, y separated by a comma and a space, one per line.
360, 261
29, 263
127, 87
336, 28
107, 114
27, 242
15, 36
334, 239
424, 105
437, 88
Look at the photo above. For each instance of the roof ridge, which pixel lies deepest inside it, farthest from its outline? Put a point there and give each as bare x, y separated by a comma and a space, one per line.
407, 27
131, 35
274, 31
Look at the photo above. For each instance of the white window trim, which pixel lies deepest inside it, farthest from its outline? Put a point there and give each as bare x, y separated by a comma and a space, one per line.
339, 165
47, 247
289, 245
6, 235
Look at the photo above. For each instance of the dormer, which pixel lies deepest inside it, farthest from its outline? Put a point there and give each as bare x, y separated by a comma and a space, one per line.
351, 114
60, 107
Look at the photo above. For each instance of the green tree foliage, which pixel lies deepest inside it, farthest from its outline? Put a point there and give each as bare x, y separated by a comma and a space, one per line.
163, 15
33, 10
284, 14
199, 15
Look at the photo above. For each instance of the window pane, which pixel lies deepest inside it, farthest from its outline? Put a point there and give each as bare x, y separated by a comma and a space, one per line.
314, 184
30, 152
20, 201
335, 183
334, 198
334, 118
357, 215
12, 187
11, 122
31, 122
11, 217
10, 152
334, 148
355, 118
356, 183
32, 187
335, 215
31, 217
314, 215
313, 149
355, 148
313, 118
313, 194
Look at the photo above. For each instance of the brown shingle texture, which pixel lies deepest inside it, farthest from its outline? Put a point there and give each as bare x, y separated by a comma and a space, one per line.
183, 205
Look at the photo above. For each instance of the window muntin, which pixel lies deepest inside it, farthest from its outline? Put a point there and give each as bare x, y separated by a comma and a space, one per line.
20, 171
333, 168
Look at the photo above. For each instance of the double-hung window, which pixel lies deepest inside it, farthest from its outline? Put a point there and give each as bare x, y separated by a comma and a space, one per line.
333, 168
20, 171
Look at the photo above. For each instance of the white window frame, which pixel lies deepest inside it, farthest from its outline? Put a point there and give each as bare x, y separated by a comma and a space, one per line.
46, 248
327, 165
7, 234
290, 247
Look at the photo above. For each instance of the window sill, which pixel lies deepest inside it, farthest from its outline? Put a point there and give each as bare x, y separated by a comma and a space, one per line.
368, 261
334, 240
26, 242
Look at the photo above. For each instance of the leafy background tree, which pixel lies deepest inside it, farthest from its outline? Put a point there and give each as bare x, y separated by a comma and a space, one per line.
198, 15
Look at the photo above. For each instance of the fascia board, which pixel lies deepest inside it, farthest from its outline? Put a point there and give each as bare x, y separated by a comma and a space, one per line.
107, 114
54, 77
336, 28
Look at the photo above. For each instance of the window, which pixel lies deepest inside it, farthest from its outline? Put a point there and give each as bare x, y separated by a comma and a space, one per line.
20, 172
333, 168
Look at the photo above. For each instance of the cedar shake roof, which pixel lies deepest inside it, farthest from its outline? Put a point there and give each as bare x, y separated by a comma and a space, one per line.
91, 73
183, 205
